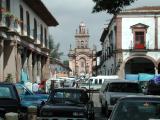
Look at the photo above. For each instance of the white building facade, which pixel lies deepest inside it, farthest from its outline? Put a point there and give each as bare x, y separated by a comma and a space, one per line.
134, 42
24, 45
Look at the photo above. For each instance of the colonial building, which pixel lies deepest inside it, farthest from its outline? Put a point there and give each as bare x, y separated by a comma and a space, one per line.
59, 69
81, 58
131, 43
24, 46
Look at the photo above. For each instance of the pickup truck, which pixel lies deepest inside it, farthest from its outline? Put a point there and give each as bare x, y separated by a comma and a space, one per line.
68, 104
10, 101
112, 90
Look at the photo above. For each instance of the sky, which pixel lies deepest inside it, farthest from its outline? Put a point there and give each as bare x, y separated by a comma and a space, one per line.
70, 13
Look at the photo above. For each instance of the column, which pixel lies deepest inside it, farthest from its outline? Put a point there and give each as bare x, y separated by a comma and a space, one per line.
19, 63
43, 63
35, 67
156, 70
10, 52
30, 65
39, 67
46, 69
156, 32
1, 60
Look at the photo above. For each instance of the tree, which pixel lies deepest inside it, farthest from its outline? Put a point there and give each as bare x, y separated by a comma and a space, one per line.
66, 62
54, 54
9, 78
111, 6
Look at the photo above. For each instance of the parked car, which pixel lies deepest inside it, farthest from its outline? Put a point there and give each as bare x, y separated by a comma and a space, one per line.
10, 101
137, 108
112, 90
29, 98
68, 104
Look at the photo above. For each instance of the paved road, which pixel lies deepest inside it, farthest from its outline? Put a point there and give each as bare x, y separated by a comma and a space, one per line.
98, 114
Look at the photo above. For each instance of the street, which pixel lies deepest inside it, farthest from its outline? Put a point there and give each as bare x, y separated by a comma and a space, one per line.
98, 114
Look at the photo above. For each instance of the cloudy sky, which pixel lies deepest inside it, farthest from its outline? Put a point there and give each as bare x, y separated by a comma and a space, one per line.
69, 14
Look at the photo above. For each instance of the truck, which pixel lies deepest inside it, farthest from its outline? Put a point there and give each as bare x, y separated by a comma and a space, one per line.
95, 82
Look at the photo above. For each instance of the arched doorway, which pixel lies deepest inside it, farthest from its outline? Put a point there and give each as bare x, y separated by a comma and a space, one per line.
139, 65
159, 68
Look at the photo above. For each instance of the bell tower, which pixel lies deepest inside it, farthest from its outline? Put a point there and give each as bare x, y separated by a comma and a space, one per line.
82, 36
81, 58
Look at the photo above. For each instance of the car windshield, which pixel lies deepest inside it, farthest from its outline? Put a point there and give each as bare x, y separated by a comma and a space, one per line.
137, 110
124, 87
64, 96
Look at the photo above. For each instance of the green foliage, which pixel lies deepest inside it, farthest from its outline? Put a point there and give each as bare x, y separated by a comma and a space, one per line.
9, 78
66, 62
54, 54
111, 6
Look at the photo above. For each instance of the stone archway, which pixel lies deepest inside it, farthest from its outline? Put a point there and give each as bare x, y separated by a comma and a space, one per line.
158, 62
137, 65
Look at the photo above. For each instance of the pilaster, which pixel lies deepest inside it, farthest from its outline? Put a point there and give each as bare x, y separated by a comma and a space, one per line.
30, 66
1, 60
10, 52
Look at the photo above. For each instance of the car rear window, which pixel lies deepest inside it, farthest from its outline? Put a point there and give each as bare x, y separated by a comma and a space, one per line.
68, 94
5, 92
138, 110
124, 87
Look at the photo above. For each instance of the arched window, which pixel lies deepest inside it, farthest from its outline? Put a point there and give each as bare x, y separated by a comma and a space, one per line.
21, 18
35, 29
41, 34
8, 5
28, 23
45, 37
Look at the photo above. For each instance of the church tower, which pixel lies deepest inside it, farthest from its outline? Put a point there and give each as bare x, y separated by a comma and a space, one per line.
82, 36
81, 58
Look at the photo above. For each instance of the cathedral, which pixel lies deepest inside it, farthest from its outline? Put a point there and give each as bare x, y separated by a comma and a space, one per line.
82, 59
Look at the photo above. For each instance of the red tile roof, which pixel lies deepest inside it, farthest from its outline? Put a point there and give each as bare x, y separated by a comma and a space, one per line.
142, 10
147, 8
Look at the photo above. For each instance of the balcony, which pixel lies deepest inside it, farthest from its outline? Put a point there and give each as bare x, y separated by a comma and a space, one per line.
37, 42
27, 34
139, 47
44, 48
13, 25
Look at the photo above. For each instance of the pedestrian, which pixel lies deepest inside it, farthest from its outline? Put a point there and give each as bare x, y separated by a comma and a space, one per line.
35, 87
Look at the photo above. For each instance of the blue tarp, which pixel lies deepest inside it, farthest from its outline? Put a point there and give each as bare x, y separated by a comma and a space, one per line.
140, 77
145, 76
131, 77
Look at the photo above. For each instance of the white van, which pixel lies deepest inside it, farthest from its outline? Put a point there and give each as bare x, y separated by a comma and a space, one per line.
96, 82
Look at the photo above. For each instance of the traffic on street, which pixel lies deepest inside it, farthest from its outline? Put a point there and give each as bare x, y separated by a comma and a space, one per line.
79, 59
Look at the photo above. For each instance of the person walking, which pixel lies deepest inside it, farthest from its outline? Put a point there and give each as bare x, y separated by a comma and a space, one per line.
35, 87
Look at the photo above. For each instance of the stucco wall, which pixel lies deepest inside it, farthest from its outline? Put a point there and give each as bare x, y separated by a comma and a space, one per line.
15, 10
127, 35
